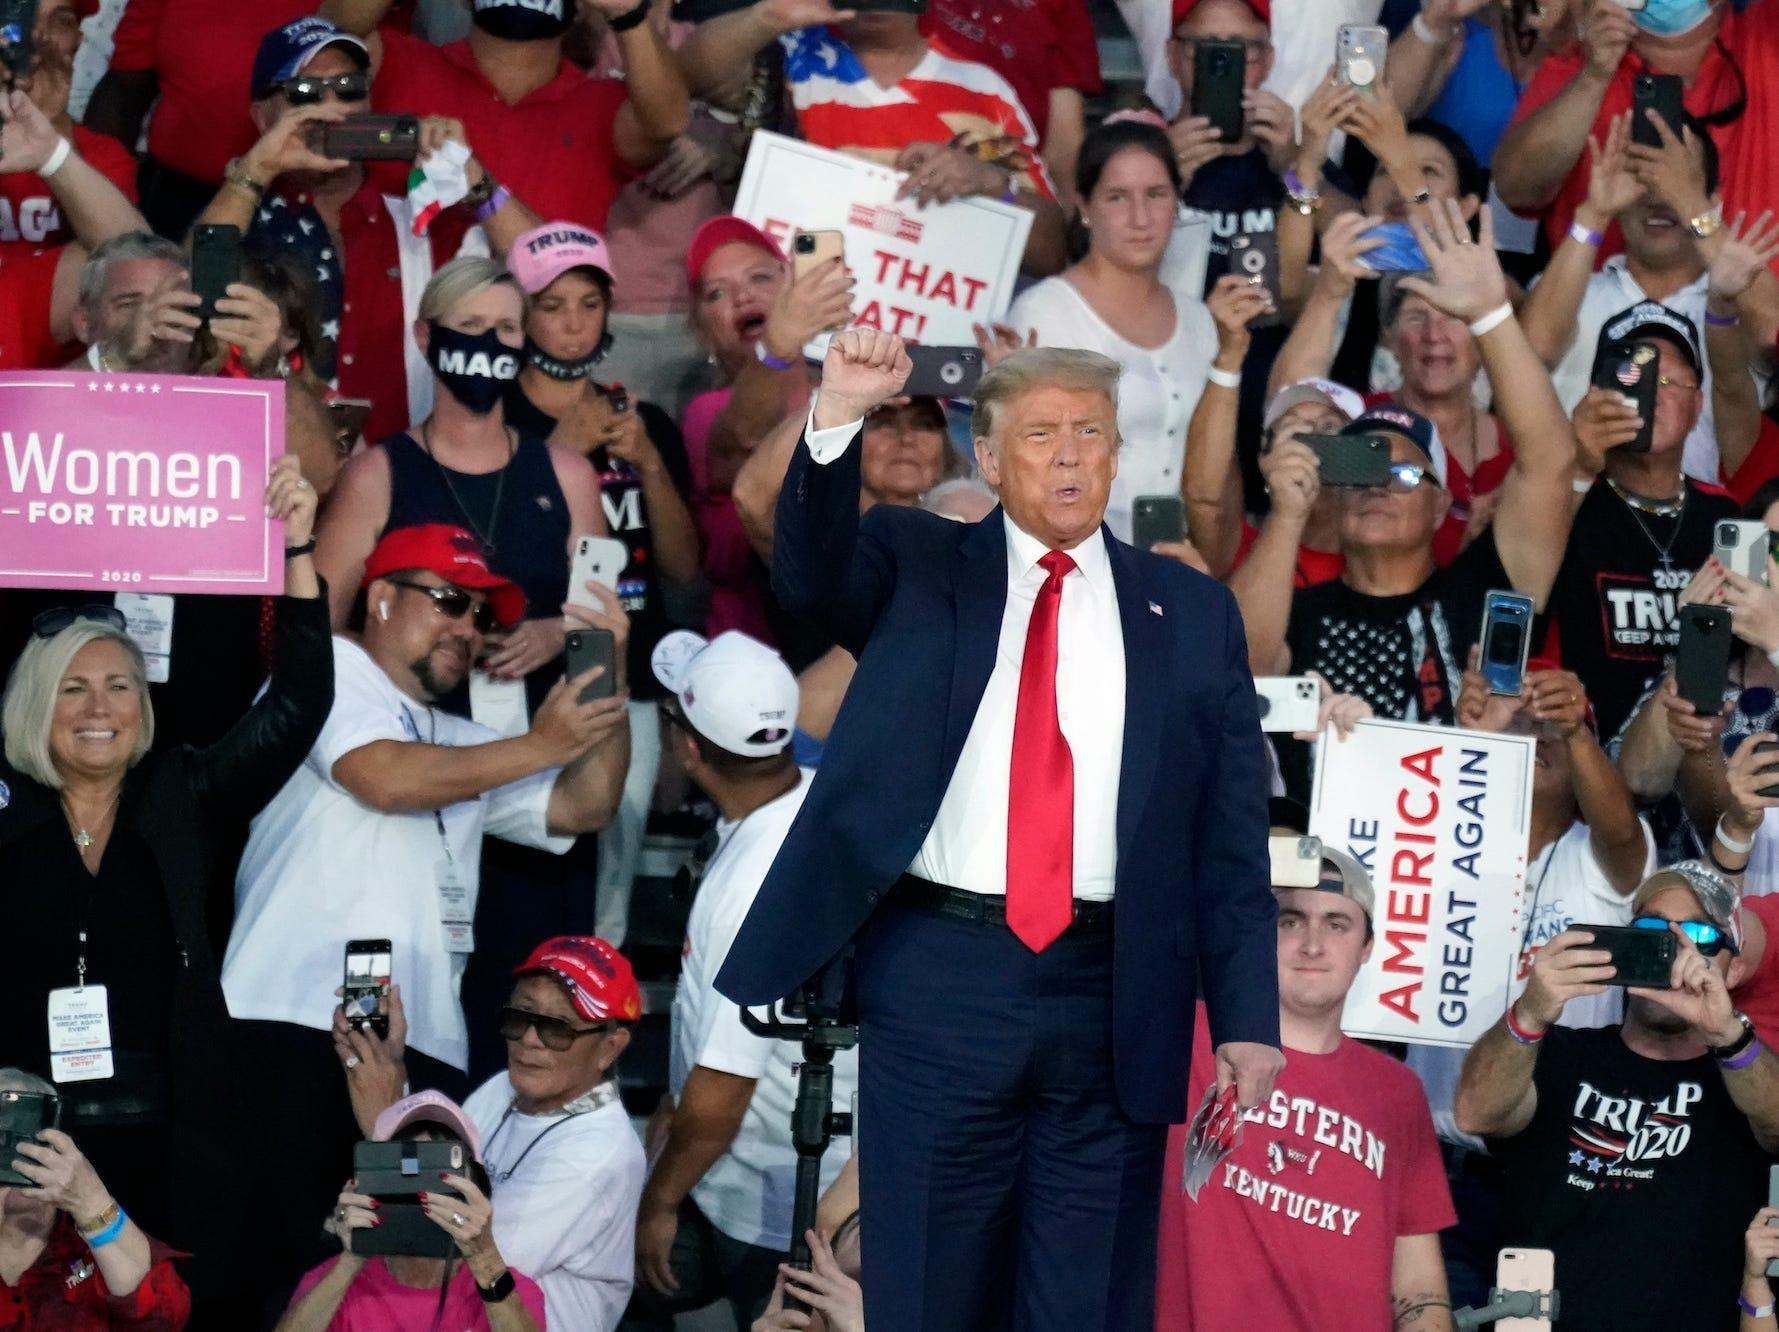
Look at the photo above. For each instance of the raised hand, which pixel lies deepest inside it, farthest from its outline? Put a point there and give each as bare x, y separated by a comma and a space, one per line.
61, 1175
1754, 609
790, 15
1293, 476
1479, 708
1612, 185
1556, 699
1467, 278
1274, 126
27, 138
1603, 421
291, 143
1606, 34
1747, 775
812, 303
1195, 142
941, 172
1742, 256
997, 342
1566, 968
1673, 172
291, 500
1693, 733
1344, 247
1327, 110
249, 320
1697, 993
1235, 303
864, 368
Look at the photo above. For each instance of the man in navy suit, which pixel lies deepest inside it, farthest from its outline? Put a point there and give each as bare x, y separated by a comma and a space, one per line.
1042, 813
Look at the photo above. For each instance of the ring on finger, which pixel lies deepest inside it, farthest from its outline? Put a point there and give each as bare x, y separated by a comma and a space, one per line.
457, 1220
353, 1061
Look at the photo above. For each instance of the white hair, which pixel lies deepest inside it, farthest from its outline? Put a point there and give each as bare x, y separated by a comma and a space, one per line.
28, 712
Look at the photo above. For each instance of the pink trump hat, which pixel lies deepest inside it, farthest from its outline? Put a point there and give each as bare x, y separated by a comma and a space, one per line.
545, 253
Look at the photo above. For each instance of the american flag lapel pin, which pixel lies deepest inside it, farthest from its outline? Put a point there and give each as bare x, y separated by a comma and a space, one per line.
1154, 608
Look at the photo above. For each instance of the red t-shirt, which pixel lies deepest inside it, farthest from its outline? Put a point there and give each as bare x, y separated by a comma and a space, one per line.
377, 1302
27, 285
1036, 46
553, 148
1748, 148
1313, 566
1758, 995
1298, 1227
29, 215
64, 1289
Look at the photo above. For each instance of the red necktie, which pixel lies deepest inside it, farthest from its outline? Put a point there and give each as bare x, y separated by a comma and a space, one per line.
1041, 789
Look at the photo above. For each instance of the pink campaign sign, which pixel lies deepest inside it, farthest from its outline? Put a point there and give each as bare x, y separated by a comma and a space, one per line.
139, 482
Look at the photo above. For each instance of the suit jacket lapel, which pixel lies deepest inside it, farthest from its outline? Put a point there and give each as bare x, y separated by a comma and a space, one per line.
1148, 667
979, 586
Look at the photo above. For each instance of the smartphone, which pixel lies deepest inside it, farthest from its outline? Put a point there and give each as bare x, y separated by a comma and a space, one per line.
395, 1174
1741, 545
811, 249
1400, 251
1219, 79
943, 372
1287, 702
1768, 747
1296, 861
18, 19
349, 416
1773, 1201
1526, 1269
1351, 460
1255, 256
599, 560
1663, 94
1632, 369
365, 994
372, 139
1156, 518
1506, 638
215, 263
1642, 957
617, 397
1359, 53
588, 648
1702, 662
23, 1115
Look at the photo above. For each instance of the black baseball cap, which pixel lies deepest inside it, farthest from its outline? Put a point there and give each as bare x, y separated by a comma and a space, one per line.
1652, 319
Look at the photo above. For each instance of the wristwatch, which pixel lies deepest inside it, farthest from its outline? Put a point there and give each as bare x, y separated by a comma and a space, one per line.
1735, 1047
498, 1289
481, 192
1707, 223
235, 173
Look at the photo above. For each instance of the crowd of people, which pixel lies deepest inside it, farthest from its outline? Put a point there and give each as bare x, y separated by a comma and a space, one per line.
540, 331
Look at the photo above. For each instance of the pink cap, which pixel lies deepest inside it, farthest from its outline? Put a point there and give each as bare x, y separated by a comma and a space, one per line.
545, 253
428, 1107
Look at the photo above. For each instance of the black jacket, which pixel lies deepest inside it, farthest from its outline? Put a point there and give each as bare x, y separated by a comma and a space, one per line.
188, 806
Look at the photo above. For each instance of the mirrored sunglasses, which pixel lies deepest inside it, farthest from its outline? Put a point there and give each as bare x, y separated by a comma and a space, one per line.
1405, 477
1706, 937
307, 90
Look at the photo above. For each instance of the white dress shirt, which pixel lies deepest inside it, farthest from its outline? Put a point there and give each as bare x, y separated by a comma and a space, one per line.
967, 846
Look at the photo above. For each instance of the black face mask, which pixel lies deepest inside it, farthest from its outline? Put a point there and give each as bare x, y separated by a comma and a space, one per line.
475, 367
557, 368
524, 20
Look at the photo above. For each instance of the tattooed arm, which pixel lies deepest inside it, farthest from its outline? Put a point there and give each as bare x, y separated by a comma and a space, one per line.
1418, 1301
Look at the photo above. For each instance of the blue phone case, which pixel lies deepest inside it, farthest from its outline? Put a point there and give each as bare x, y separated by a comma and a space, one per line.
1400, 252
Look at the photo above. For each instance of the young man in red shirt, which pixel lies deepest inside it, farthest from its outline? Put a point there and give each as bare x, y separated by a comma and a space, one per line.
564, 142
1327, 1213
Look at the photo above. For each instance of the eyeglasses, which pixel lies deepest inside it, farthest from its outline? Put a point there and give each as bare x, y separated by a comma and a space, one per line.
51, 622
1665, 383
556, 1033
1253, 48
454, 603
307, 90
1405, 477
1706, 937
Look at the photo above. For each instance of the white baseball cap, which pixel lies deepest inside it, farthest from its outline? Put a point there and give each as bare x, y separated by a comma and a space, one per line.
735, 691
1314, 389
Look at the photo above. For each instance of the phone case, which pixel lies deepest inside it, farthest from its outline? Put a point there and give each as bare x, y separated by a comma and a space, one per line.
23, 1115
1351, 460
1506, 640
1768, 747
215, 263
1296, 861
1632, 370
372, 139
1399, 253
1219, 72
17, 20
1741, 545
1702, 662
1287, 702
1255, 256
943, 372
1525, 1269
1643, 957
1359, 53
812, 249
587, 648
1662, 93
1156, 518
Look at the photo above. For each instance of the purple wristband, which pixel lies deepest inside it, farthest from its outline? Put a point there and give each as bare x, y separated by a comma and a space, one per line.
496, 201
1586, 235
1744, 1059
770, 361
1752, 1310
1293, 185
1722, 321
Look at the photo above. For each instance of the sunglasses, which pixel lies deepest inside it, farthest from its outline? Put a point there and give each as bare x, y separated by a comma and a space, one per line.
1405, 477
51, 622
307, 90
454, 603
1706, 937
556, 1033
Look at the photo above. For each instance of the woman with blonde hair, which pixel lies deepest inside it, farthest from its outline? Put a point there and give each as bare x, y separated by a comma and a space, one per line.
116, 856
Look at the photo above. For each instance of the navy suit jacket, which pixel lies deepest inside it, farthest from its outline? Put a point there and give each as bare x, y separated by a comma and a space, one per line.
918, 599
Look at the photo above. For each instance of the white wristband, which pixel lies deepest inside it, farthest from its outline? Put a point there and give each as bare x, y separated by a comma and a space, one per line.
57, 157
1426, 34
1492, 320
1730, 843
1229, 379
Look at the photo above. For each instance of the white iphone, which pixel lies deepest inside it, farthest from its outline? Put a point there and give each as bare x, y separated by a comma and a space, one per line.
596, 560
1526, 1269
1288, 702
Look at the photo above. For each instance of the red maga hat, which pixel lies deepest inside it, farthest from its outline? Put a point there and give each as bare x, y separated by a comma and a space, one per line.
718, 232
598, 977
454, 555
1184, 7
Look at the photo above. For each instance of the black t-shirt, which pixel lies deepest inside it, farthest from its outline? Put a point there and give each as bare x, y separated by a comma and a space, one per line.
627, 515
1402, 654
1614, 599
1640, 1175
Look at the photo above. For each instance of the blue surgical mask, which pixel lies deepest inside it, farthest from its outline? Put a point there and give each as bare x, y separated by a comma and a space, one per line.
1671, 18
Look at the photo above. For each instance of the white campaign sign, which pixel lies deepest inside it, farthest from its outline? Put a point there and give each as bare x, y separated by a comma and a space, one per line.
1439, 818
925, 273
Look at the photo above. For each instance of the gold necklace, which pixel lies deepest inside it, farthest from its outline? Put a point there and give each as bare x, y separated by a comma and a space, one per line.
82, 838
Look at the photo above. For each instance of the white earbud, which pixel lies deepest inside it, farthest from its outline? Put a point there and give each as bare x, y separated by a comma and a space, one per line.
382, 610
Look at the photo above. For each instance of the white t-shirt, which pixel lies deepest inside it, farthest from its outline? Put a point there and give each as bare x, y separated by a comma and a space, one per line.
321, 869
1157, 393
747, 1193
1762, 874
566, 1215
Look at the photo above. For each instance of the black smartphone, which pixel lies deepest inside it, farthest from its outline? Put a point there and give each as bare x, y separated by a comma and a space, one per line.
372, 139
617, 397
365, 992
1768, 747
395, 1174
1156, 518
215, 262
1642, 957
1506, 638
587, 648
1702, 661
23, 1115
1665, 95
1219, 78
1351, 460
1254, 255
1632, 369
18, 19
943, 372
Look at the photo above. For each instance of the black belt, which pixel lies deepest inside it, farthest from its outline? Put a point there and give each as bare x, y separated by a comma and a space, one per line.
935, 899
